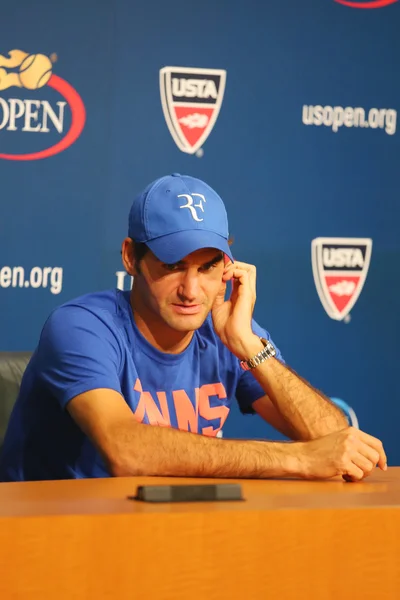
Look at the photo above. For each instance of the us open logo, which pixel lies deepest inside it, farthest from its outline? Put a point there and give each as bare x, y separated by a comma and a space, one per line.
368, 4
41, 112
340, 267
191, 100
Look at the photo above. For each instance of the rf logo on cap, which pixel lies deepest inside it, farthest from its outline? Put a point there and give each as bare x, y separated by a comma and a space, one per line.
191, 206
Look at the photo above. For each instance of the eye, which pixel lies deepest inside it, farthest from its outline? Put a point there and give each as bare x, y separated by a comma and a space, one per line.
172, 267
207, 268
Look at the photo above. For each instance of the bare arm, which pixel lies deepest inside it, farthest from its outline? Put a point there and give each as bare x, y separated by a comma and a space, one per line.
132, 448
269, 413
298, 410
307, 414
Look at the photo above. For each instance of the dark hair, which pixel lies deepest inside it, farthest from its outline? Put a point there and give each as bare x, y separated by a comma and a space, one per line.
140, 249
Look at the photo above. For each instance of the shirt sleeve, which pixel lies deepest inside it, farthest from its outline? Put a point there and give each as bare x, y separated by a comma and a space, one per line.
248, 390
77, 352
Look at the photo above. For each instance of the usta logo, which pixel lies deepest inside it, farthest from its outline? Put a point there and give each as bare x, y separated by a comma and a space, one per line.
191, 99
340, 267
343, 257
194, 88
363, 4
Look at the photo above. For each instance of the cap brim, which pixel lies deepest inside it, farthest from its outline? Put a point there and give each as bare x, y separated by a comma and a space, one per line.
174, 247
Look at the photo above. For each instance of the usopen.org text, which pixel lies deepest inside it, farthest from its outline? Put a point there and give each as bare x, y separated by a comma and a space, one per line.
337, 116
37, 277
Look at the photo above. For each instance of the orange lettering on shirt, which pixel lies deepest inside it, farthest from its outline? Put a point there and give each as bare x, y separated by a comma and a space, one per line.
212, 412
147, 406
187, 415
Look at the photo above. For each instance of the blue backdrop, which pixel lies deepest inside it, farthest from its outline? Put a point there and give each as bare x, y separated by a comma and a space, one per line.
305, 146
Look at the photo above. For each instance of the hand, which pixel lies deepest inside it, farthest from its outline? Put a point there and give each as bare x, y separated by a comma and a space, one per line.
348, 452
232, 317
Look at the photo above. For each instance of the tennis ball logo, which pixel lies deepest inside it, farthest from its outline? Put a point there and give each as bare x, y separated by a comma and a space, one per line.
35, 71
28, 71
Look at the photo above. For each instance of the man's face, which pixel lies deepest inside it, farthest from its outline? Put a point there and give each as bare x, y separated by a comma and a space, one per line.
179, 295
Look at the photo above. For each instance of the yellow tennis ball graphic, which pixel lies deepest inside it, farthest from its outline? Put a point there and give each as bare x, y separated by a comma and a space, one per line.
35, 71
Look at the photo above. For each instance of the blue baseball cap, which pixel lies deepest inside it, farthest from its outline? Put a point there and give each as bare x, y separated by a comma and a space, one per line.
176, 215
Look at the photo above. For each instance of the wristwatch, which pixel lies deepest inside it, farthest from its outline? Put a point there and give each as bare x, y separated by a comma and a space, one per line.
267, 352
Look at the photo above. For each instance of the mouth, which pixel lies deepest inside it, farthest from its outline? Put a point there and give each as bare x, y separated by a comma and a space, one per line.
187, 309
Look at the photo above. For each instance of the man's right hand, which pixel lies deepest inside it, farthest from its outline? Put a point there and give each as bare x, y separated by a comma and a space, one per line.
348, 452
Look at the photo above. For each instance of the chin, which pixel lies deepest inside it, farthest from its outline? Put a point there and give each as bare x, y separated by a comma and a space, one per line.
187, 322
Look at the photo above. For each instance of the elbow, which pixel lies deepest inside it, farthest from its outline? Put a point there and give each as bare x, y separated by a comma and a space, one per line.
120, 466
122, 454
117, 469
123, 469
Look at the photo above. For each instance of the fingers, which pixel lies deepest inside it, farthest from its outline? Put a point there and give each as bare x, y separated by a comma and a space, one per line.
358, 468
243, 273
362, 463
243, 287
377, 445
363, 454
354, 473
251, 269
348, 452
369, 453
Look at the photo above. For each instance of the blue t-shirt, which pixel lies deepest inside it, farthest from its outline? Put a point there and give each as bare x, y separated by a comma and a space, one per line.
93, 342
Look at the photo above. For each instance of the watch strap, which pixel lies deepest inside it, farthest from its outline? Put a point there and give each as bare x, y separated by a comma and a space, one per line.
267, 352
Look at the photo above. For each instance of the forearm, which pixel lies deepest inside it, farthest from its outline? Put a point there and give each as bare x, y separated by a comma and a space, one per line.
308, 412
141, 449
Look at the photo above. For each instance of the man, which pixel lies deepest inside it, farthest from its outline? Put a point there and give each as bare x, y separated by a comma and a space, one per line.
140, 382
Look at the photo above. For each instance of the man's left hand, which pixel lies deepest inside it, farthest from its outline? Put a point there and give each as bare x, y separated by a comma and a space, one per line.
232, 317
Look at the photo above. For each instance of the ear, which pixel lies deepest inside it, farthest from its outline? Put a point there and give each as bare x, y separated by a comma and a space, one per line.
227, 260
128, 256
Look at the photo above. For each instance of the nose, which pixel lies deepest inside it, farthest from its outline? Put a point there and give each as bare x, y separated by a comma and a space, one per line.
189, 287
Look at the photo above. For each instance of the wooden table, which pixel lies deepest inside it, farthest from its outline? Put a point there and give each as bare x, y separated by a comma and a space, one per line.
319, 540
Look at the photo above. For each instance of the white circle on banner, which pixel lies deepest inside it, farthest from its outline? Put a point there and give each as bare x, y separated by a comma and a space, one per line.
200, 153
